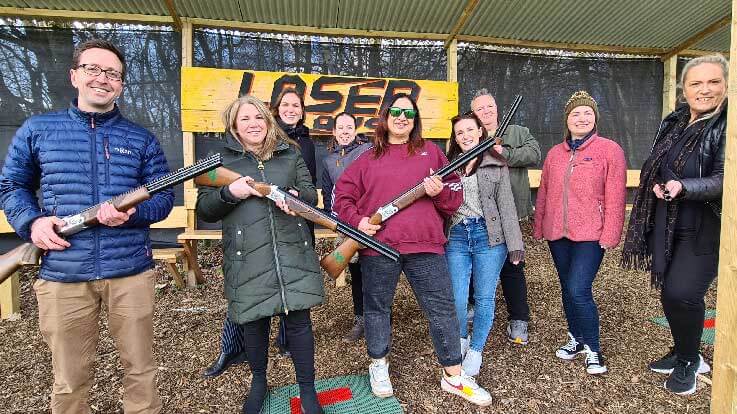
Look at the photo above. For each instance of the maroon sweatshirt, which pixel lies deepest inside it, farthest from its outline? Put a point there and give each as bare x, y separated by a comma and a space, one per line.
370, 183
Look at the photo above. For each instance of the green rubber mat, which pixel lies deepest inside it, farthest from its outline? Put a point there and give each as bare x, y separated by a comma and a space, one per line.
707, 336
340, 395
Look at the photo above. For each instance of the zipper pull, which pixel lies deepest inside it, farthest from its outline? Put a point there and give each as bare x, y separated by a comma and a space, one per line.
92, 121
107, 148
260, 165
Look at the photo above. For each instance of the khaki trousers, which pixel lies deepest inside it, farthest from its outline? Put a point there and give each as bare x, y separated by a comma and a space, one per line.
68, 315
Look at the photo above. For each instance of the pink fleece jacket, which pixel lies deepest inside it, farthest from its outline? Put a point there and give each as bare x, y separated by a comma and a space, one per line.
582, 193
370, 183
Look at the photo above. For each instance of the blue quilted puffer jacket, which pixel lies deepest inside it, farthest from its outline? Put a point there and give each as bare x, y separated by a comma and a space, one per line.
81, 159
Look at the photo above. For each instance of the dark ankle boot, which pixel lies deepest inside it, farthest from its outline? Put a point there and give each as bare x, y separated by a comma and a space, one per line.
223, 362
308, 398
256, 396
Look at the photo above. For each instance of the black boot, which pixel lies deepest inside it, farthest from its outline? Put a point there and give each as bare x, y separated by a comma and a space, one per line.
223, 362
256, 395
308, 397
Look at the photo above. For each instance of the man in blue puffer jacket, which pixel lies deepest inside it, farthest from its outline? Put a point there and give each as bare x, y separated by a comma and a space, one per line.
78, 158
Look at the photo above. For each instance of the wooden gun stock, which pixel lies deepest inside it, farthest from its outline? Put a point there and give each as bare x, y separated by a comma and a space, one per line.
223, 176
25, 254
335, 262
29, 254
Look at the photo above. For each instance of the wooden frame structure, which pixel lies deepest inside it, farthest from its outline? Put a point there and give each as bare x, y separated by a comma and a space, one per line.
724, 392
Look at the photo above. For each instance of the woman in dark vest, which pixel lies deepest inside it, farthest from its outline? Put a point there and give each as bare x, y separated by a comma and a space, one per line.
269, 264
676, 217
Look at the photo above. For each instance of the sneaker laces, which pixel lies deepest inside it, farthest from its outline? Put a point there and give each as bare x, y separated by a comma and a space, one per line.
592, 358
571, 345
468, 381
380, 372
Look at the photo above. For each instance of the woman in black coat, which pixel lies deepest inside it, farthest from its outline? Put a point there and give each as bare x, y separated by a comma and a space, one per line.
675, 221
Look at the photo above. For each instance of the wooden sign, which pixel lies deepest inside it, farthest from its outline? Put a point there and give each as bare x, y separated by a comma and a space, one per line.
207, 91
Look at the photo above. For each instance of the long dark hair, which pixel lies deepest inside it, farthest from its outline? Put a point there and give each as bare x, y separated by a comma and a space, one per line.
455, 150
277, 104
381, 141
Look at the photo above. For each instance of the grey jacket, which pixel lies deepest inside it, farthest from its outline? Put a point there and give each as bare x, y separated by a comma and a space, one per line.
497, 202
522, 151
269, 264
335, 163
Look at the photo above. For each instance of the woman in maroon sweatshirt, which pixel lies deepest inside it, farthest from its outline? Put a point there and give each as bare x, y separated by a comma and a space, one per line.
399, 160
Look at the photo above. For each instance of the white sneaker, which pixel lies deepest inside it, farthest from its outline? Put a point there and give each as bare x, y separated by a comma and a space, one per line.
472, 363
381, 385
571, 349
465, 343
465, 386
594, 362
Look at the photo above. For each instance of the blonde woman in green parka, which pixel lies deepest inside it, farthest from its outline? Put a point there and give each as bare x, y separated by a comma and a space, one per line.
269, 264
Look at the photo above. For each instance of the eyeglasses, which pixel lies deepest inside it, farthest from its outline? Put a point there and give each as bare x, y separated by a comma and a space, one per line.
94, 70
408, 113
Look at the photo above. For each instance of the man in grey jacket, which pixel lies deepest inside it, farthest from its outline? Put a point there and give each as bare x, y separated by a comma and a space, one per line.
522, 151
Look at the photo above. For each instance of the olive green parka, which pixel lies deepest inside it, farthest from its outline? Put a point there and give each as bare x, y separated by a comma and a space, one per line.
269, 264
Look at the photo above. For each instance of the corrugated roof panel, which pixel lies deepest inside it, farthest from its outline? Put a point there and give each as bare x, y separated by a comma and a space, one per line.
420, 16
717, 42
119, 6
211, 9
317, 13
625, 23
655, 23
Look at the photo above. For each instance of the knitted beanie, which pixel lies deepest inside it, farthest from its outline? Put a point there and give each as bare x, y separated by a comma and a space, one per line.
580, 98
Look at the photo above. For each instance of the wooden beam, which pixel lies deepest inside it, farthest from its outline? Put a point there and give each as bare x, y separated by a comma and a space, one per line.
696, 53
10, 296
467, 12
562, 46
669, 85
724, 390
697, 37
174, 15
452, 63
83, 15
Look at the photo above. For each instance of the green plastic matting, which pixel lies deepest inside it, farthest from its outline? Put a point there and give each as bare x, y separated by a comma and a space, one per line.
708, 335
350, 394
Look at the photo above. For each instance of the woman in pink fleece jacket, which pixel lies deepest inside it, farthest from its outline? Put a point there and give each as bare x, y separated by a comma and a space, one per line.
580, 212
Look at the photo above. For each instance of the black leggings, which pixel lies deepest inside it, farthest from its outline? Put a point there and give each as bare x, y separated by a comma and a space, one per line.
301, 344
685, 284
356, 288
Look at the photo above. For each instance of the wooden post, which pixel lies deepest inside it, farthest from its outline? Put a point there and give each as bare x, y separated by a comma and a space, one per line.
10, 296
669, 85
188, 156
452, 53
724, 391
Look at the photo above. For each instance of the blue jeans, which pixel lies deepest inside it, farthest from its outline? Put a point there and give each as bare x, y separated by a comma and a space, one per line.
468, 252
427, 274
577, 264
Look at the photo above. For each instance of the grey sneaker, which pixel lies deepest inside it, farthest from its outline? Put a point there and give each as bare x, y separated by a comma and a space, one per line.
381, 384
517, 332
682, 380
356, 331
666, 364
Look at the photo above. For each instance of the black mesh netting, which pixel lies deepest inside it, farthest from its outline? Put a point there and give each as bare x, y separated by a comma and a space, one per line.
628, 92
34, 77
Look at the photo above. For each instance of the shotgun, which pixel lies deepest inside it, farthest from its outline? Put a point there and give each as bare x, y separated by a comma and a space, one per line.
222, 176
29, 254
334, 263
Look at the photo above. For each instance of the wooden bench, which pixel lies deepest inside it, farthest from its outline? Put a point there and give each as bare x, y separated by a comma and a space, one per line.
189, 240
171, 257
